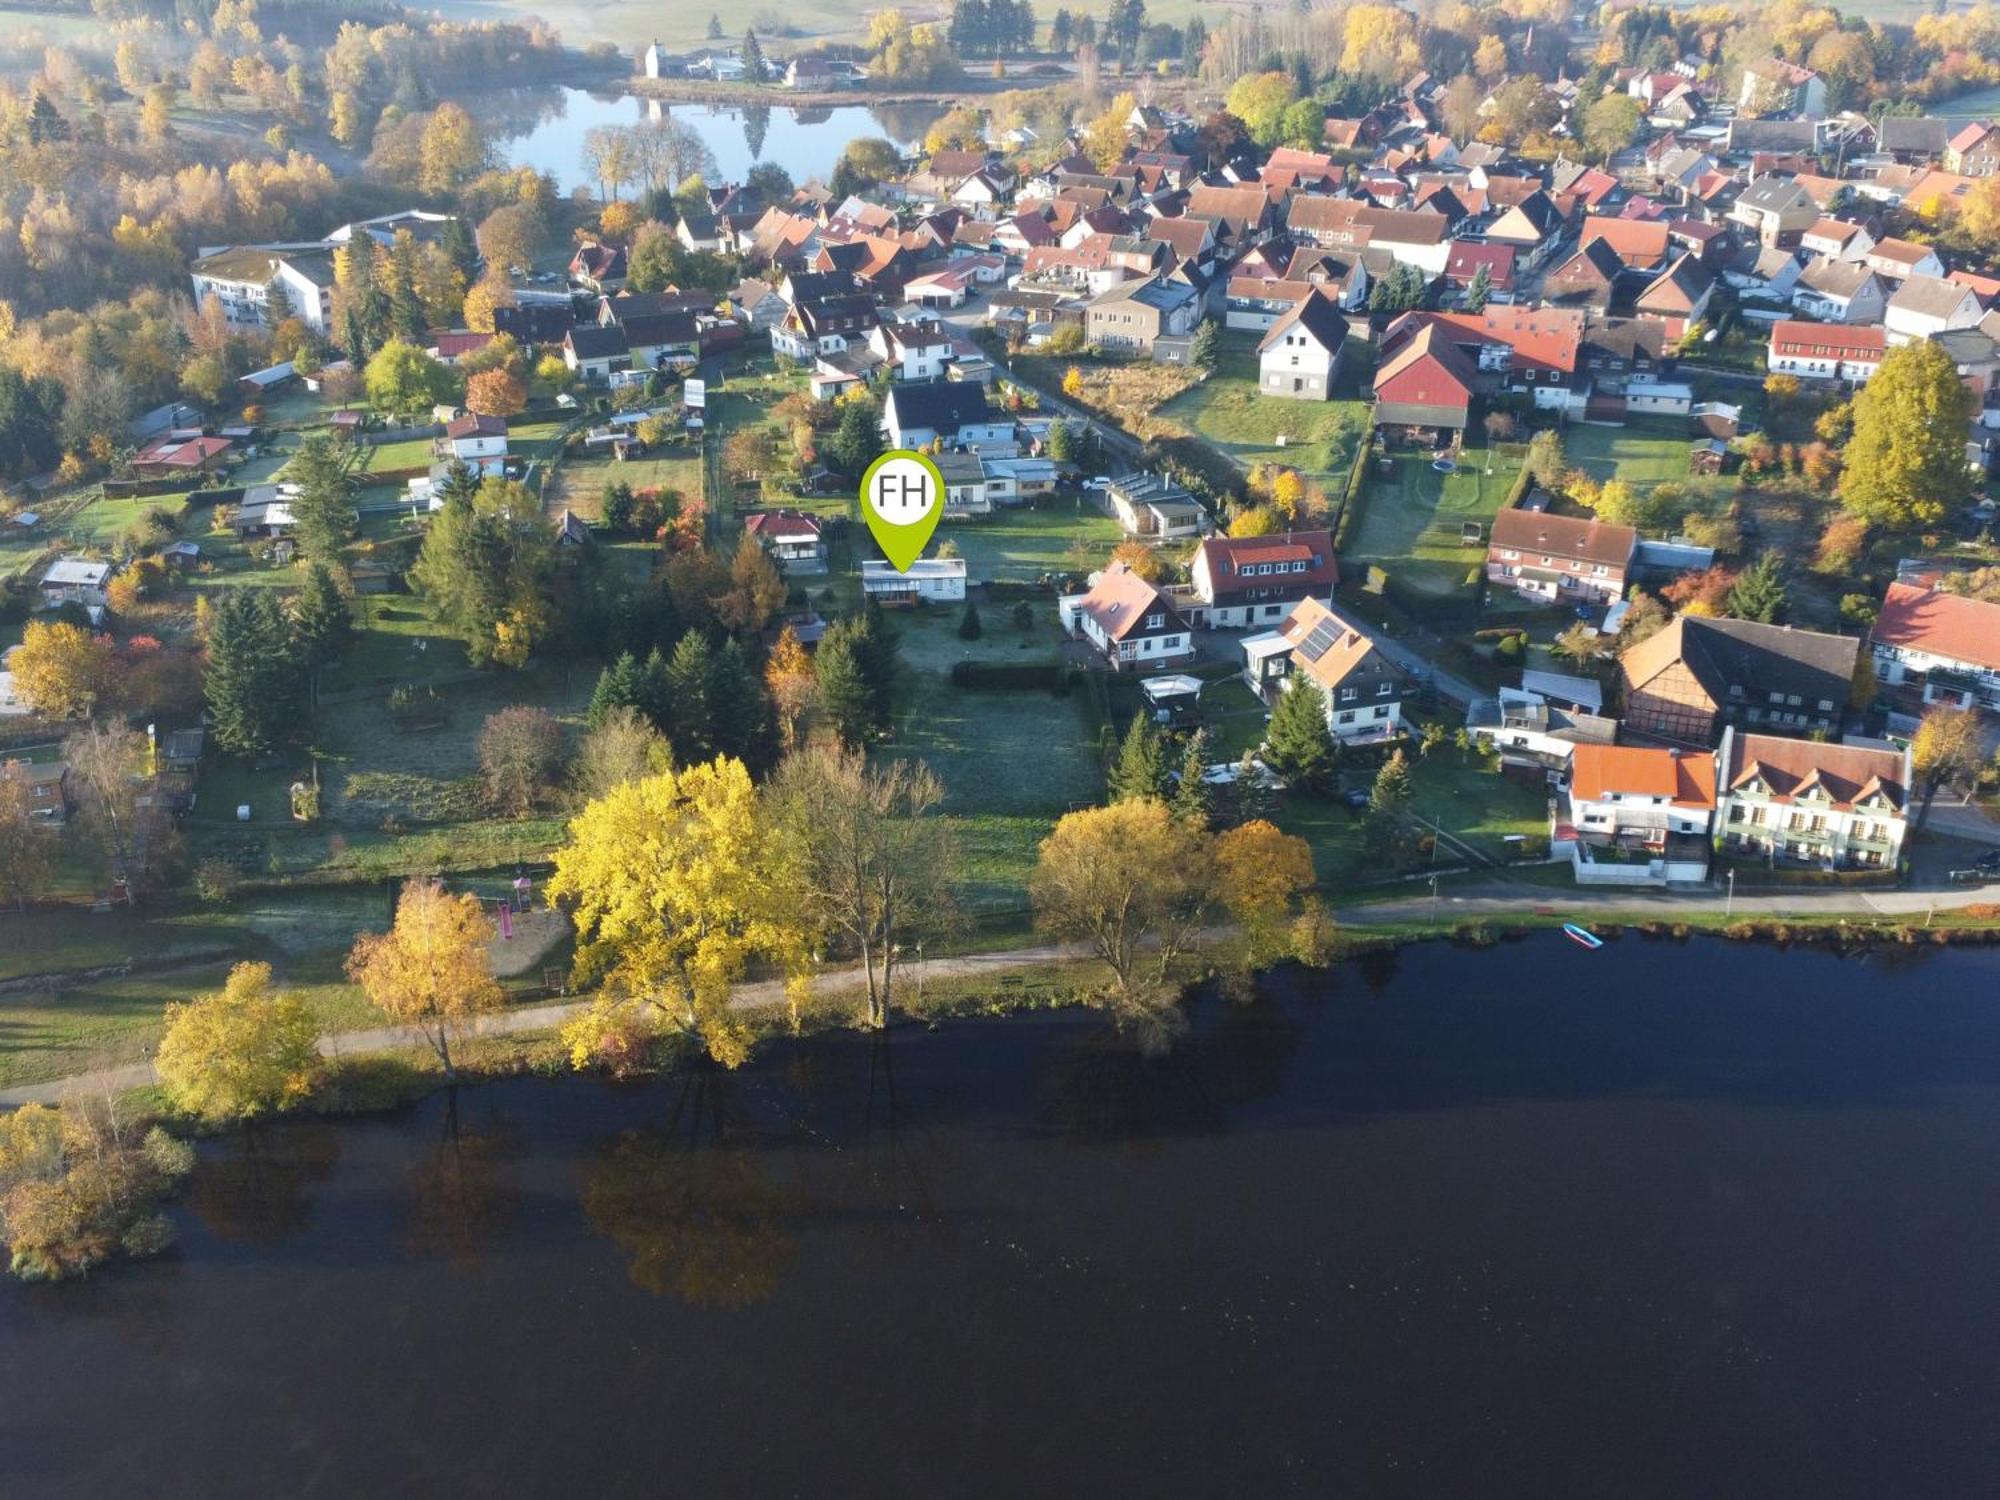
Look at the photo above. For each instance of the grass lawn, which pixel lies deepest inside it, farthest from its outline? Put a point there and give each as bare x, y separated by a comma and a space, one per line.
580, 483
1234, 718
69, 1025
1022, 543
1012, 762
1319, 437
1410, 521
411, 453
1640, 453
1465, 798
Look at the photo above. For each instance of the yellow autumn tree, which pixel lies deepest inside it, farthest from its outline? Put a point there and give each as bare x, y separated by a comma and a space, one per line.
60, 669
1260, 876
433, 969
481, 299
1105, 137
789, 677
1073, 383
240, 1052
669, 880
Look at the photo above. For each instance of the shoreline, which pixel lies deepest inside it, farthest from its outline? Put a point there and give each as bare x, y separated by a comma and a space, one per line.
995, 982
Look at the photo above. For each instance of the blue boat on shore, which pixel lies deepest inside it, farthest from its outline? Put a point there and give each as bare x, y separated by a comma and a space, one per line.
1582, 935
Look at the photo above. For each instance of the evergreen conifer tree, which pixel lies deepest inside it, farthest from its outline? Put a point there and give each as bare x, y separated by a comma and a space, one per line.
1192, 802
252, 681
1141, 768
689, 679
1298, 745
322, 624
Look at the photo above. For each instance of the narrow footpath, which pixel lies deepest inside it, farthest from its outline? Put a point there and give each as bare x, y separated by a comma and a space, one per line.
1499, 898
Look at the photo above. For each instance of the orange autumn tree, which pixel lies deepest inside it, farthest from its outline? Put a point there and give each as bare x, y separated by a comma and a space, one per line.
496, 393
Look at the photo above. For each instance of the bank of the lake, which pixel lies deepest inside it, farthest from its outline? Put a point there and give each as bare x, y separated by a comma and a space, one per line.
1670, 1218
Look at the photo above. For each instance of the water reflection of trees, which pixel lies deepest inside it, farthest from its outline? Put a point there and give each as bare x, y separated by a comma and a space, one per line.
1108, 1085
906, 122
756, 125
257, 1193
691, 1204
463, 1196
507, 113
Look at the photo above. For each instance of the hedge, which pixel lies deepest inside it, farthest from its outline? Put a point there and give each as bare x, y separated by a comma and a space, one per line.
1012, 676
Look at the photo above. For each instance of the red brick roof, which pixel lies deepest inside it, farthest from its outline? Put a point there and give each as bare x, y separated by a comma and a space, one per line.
1789, 768
1585, 539
1793, 336
1640, 243
1947, 625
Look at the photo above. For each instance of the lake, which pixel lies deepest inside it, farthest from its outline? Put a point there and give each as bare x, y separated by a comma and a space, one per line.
1668, 1219
544, 129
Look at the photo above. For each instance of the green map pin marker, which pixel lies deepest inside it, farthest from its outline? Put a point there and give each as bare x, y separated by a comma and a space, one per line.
902, 498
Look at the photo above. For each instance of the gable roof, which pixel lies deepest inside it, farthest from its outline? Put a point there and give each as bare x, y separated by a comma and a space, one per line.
1120, 600
1634, 770
1678, 288
1585, 539
1429, 371
1314, 314
945, 405
1770, 658
1941, 624
1345, 650
1789, 769
1226, 557
1931, 296
1640, 243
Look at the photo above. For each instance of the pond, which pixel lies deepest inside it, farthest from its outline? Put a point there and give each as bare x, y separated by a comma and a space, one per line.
545, 129
1660, 1220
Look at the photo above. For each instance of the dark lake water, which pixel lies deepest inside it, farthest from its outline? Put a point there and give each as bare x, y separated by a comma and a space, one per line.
1664, 1220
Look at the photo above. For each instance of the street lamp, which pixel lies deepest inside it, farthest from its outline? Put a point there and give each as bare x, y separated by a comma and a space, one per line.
1434, 899
1729, 900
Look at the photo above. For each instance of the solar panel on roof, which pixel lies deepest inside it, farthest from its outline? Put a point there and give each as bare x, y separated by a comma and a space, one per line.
1321, 640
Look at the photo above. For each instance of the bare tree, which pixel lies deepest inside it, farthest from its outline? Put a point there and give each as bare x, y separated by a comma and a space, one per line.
107, 763
865, 855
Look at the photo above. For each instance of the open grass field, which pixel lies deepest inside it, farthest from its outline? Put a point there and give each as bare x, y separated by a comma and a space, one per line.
1022, 543
1642, 453
1411, 519
1012, 762
1316, 437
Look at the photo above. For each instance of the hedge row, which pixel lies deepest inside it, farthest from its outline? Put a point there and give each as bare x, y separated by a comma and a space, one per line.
1013, 676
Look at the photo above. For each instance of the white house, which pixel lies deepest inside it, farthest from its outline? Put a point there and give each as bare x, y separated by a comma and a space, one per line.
1938, 647
791, 537
256, 288
1257, 580
916, 415
931, 580
75, 580
1837, 807
1638, 795
1133, 625
965, 485
1826, 351
1839, 291
917, 350
1777, 87
1364, 690
1301, 354
1926, 305
479, 442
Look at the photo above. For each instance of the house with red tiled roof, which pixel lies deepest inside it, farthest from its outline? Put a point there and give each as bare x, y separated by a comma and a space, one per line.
1560, 559
1638, 795
1975, 150
1513, 347
1826, 351
1132, 624
1240, 581
1936, 647
1807, 802
1423, 390
1639, 243
1463, 264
